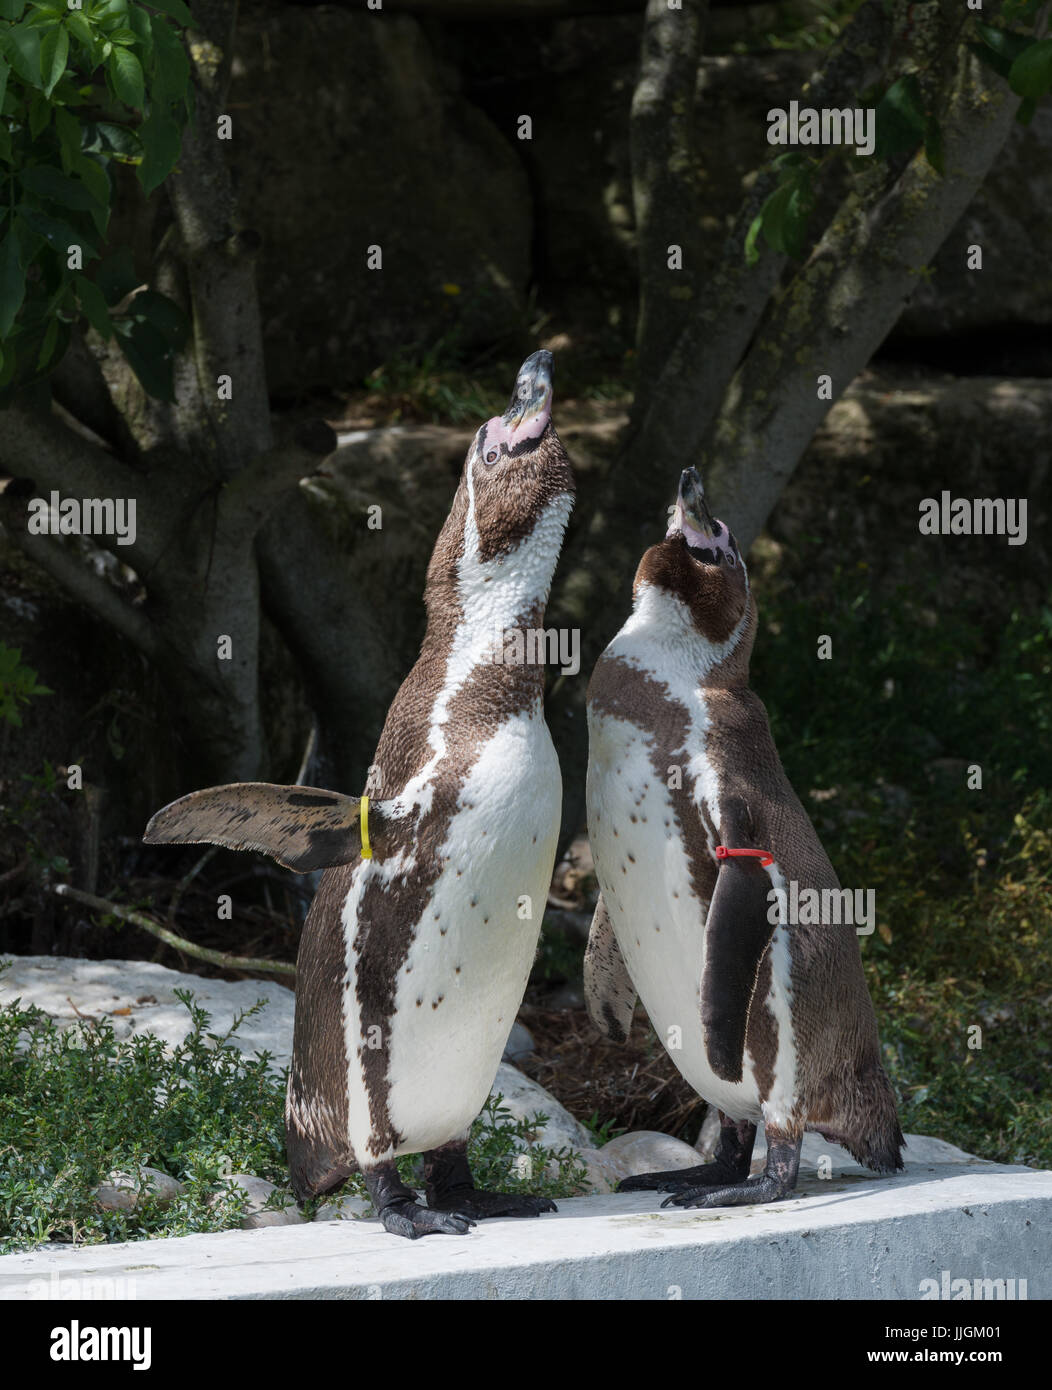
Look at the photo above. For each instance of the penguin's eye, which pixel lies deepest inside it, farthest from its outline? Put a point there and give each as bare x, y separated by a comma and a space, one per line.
492, 455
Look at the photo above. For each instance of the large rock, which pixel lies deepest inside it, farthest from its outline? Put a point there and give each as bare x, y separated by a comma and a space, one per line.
138, 997
124, 1191
260, 1206
524, 1099
349, 133
647, 1151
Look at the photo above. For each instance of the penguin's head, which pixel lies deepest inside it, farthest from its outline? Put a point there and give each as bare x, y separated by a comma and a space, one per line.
497, 551
699, 565
517, 478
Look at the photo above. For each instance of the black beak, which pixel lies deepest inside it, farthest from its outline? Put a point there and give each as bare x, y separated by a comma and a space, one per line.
692, 499
532, 397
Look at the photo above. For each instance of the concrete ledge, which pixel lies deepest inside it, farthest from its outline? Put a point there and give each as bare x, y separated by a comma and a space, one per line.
849, 1237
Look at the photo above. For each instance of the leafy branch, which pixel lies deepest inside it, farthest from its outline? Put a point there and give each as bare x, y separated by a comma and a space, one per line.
81, 89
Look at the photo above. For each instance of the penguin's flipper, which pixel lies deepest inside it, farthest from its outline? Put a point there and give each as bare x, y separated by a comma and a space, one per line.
737, 933
303, 828
608, 988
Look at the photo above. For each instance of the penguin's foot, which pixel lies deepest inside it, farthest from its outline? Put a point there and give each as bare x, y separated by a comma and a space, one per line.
450, 1187
777, 1180
680, 1179
402, 1214
478, 1203
408, 1218
743, 1194
729, 1166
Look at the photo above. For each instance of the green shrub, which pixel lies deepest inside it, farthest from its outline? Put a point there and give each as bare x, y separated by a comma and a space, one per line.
76, 1103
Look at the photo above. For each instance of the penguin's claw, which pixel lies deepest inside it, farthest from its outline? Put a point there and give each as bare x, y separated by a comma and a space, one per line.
678, 1179
482, 1205
746, 1194
408, 1218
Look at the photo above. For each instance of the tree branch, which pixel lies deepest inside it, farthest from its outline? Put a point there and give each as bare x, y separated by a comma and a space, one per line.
220, 261
178, 943
78, 579
680, 405
841, 305
665, 183
80, 387
39, 446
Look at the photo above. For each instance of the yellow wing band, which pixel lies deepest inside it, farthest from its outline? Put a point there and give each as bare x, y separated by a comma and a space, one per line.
363, 812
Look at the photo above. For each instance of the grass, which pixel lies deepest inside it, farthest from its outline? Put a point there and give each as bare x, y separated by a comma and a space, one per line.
960, 967
76, 1103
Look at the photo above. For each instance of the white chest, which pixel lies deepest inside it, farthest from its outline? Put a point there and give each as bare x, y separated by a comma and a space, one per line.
469, 961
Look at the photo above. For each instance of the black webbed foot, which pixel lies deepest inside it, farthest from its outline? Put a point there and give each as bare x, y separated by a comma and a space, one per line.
402, 1214
777, 1180
450, 1187
408, 1218
730, 1164
479, 1204
678, 1179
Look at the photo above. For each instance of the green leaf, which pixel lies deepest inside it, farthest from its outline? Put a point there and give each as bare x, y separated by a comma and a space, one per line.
68, 130
125, 72
901, 121
773, 214
81, 29
47, 182
175, 8
12, 283
1002, 66
23, 49
171, 68
12, 9
139, 22
115, 141
797, 212
39, 114
1031, 73
162, 314
122, 36
93, 305
1027, 107
59, 235
148, 357
54, 50
116, 276
1004, 43
752, 250
161, 142
4, 70
97, 181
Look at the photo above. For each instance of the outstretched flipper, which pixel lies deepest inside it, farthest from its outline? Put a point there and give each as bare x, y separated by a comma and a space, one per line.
608, 988
737, 933
303, 828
